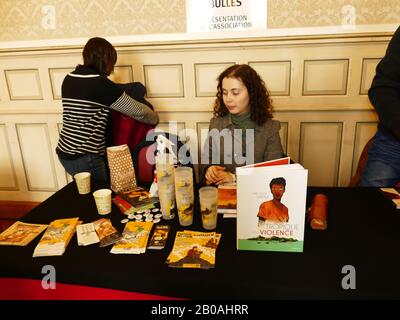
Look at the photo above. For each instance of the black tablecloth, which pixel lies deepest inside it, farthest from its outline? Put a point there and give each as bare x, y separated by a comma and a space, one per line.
363, 232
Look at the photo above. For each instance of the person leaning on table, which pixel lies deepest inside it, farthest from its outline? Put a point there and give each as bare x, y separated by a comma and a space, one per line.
88, 97
243, 102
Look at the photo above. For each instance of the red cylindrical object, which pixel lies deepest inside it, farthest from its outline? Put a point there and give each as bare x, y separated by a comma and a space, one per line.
319, 212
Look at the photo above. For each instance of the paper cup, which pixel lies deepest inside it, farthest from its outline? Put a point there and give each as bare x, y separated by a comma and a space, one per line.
184, 195
208, 207
166, 194
82, 180
102, 197
164, 165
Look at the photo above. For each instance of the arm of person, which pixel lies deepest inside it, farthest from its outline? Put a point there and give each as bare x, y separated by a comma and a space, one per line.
386, 102
219, 175
135, 109
273, 148
384, 92
113, 95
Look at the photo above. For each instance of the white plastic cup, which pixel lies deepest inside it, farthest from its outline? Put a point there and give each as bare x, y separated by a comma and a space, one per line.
208, 207
164, 165
102, 197
82, 180
184, 195
166, 194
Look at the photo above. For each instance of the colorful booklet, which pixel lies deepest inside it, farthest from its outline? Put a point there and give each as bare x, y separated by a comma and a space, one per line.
21, 233
271, 206
194, 249
56, 238
86, 234
134, 238
159, 237
106, 232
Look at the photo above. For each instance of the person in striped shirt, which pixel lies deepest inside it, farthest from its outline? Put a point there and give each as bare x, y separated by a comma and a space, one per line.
88, 97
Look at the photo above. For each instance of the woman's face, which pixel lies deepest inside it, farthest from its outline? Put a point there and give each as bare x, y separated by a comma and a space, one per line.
235, 95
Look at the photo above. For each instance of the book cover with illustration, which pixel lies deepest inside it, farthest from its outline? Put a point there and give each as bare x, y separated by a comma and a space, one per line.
193, 249
271, 207
227, 199
159, 237
139, 198
56, 237
106, 232
134, 238
124, 206
21, 233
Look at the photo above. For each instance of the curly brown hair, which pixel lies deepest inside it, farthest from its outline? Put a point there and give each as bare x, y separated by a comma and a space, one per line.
259, 97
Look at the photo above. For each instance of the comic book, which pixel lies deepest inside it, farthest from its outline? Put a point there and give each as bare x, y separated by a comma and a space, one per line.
271, 206
134, 238
139, 198
21, 233
193, 249
227, 200
123, 205
106, 232
56, 238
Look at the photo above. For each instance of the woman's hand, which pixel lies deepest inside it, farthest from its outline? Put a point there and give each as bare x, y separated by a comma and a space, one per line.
218, 175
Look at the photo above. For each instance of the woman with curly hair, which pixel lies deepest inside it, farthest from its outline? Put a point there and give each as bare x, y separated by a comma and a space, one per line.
241, 131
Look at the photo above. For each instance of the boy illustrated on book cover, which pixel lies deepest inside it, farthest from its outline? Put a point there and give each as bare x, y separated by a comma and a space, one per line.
271, 208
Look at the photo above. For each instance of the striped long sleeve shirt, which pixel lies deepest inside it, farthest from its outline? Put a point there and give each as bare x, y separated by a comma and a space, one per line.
87, 100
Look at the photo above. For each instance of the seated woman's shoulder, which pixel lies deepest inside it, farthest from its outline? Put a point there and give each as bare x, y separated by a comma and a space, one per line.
219, 122
272, 124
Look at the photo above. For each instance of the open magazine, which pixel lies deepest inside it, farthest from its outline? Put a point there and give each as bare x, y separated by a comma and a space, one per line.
271, 206
21, 233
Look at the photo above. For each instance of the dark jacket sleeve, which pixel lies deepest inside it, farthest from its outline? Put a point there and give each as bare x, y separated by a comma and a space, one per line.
384, 93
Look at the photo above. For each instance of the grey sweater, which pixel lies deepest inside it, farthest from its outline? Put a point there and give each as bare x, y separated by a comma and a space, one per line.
263, 145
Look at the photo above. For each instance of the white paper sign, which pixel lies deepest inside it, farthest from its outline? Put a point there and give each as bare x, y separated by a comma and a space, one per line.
225, 15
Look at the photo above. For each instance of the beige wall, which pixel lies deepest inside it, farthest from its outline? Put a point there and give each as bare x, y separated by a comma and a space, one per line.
26, 20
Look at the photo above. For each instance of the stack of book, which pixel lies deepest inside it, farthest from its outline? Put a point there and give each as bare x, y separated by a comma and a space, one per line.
56, 238
134, 238
227, 200
135, 200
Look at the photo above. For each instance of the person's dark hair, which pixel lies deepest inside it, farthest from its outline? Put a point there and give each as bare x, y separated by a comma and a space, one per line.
99, 55
280, 181
259, 97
